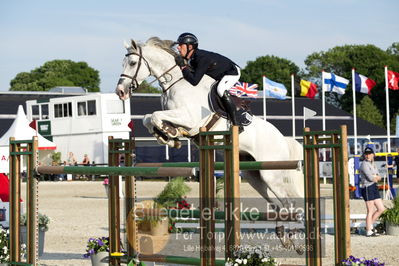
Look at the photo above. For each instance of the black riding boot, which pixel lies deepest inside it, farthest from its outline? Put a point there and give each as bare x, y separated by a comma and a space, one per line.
230, 107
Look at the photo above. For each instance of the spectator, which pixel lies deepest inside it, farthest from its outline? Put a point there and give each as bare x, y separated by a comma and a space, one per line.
86, 160
71, 159
396, 162
369, 177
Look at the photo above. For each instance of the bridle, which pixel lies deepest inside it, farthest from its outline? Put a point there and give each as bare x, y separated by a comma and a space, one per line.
134, 84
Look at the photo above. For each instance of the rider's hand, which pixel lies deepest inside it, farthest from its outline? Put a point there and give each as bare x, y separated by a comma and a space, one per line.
180, 61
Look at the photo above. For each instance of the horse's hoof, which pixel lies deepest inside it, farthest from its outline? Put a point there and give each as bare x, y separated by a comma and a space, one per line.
280, 231
160, 139
177, 144
172, 132
299, 250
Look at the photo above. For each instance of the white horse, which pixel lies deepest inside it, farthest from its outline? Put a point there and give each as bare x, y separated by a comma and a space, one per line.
186, 109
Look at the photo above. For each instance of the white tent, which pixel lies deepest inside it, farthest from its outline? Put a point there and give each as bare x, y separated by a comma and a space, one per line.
20, 130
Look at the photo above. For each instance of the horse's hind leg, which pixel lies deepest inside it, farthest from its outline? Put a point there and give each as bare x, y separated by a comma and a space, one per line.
254, 179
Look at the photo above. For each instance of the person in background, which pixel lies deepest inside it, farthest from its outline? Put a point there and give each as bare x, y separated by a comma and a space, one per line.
86, 160
396, 162
71, 159
369, 177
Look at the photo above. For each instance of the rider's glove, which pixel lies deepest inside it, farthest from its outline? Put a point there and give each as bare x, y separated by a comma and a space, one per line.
180, 61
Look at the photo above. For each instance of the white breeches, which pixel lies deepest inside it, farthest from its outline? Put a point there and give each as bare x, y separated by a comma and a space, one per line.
227, 82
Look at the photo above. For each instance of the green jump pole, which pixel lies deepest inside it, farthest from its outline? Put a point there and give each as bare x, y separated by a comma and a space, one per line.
261, 165
113, 170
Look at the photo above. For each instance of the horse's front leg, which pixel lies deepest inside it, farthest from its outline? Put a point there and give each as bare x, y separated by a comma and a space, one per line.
165, 121
161, 138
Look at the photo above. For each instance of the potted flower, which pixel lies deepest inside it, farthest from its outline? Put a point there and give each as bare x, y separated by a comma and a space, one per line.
391, 218
4, 253
362, 262
251, 256
153, 224
173, 193
43, 221
4, 247
106, 186
97, 249
172, 196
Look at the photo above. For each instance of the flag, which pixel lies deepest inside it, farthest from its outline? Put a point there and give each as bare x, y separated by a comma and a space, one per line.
33, 124
131, 125
363, 84
241, 89
334, 83
393, 79
308, 113
308, 89
274, 89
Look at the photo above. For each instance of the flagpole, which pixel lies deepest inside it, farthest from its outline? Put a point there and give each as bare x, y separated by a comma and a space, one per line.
323, 109
264, 99
387, 110
323, 104
293, 105
354, 110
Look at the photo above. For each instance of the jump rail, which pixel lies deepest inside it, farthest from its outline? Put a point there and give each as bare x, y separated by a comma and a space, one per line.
114, 170
259, 165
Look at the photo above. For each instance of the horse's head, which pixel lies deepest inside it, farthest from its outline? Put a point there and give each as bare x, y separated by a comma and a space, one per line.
135, 70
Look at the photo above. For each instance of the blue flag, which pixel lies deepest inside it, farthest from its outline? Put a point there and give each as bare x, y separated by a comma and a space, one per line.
274, 89
334, 83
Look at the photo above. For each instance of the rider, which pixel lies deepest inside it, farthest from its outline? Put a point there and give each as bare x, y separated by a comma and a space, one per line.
201, 62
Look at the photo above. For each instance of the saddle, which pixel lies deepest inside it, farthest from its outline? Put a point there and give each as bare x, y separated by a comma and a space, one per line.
242, 114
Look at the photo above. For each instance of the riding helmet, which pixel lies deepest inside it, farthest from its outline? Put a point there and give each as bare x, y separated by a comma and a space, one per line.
188, 38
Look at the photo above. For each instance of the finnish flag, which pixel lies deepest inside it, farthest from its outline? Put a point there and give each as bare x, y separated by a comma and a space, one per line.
334, 83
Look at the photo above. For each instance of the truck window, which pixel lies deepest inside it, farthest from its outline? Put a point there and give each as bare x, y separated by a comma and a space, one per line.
44, 109
35, 112
87, 108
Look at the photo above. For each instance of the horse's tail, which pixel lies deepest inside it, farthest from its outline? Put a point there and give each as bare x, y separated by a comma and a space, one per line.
295, 176
295, 149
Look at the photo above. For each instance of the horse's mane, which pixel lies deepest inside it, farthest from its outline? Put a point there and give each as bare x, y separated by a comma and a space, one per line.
163, 44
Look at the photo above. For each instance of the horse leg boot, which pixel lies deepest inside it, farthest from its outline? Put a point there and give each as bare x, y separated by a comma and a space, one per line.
230, 107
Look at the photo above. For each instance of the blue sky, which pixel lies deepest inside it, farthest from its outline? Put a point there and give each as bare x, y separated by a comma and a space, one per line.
33, 32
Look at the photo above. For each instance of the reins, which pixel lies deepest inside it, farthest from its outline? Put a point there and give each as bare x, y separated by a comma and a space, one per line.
134, 84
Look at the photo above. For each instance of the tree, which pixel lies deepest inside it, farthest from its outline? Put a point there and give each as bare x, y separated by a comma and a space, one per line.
369, 112
147, 88
368, 60
273, 67
394, 49
57, 73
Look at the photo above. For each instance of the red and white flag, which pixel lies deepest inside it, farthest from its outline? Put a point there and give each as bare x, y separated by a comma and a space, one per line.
393, 79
